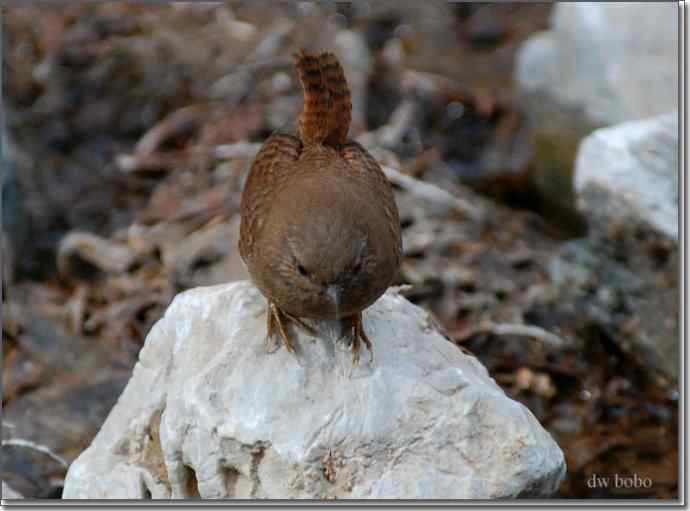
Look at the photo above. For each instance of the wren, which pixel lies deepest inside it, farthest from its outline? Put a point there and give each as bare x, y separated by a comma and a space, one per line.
319, 231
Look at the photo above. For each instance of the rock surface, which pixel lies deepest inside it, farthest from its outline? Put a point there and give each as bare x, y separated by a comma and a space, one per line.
599, 64
9, 493
626, 181
208, 413
609, 62
630, 171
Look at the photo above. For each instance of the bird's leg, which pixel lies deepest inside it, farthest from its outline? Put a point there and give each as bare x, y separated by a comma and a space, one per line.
357, 327
268, 342
276, 317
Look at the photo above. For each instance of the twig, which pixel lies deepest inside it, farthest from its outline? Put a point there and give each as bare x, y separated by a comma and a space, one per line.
238, 150
178, 122
104, 254
19, 442
431, 192
400, 289
523, 330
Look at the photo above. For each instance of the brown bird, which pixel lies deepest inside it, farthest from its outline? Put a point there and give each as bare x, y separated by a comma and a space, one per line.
319, 233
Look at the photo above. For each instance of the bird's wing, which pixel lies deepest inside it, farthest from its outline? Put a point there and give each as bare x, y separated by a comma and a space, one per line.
271, 166
361, 162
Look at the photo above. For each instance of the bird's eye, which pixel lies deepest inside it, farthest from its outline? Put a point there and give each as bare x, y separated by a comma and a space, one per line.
357, 267
302, 270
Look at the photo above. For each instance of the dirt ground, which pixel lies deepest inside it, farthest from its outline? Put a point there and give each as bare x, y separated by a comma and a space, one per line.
130, 128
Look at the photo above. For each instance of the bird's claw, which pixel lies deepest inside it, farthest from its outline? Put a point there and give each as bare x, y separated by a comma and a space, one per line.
358, 335
274, 317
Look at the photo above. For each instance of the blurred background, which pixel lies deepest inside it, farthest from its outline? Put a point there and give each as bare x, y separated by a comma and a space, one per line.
536, 156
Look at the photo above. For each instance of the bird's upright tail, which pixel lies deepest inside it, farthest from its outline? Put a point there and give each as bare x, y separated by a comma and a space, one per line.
327, 111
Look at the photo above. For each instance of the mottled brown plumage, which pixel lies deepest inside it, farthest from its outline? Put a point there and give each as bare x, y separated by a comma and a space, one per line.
320, 232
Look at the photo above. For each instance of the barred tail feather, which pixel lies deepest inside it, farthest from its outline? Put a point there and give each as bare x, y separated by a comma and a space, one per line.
327, 110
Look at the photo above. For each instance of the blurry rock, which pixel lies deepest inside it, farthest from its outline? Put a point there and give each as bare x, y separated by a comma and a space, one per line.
208, 413
607, 62
62, 417
49, 426
8, 263
630, 172
16, 223
627, 291
626, 180
20, 372
600, 64
9, 493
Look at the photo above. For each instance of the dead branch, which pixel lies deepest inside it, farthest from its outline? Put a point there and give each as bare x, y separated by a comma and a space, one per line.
431, 192
19, 442
532, 331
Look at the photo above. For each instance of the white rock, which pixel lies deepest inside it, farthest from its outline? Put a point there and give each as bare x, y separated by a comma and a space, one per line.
609, 62
631, 171
9, 493
626, 184
423, 421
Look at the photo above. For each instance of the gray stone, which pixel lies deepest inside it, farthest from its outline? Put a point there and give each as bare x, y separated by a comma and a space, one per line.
630, 171
599, 64
16, 231
611, 62
626, 181
46, 426
208, 413
623, 288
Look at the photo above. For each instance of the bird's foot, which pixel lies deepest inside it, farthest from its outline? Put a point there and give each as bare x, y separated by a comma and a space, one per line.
277, 317
356, 326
